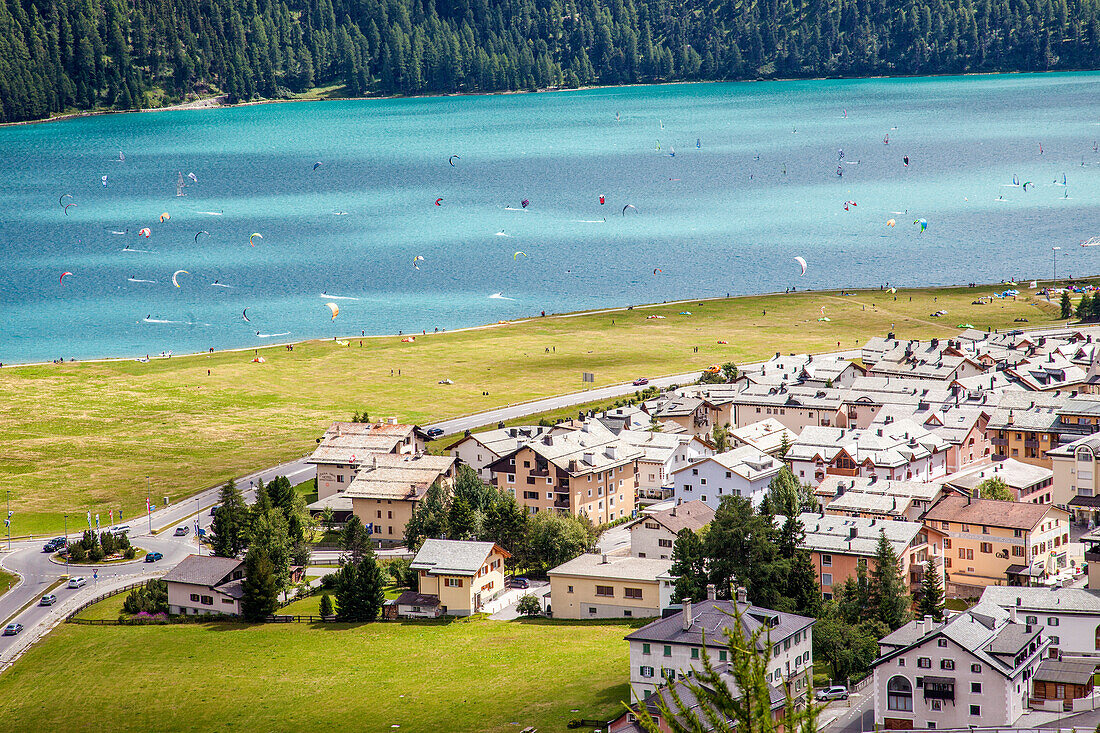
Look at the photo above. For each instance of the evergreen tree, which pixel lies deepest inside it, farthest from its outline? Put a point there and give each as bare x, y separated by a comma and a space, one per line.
355, 539
995, 488
261, 586
230, 526
803, 585
1066, 305
461, 519
741, 547
360, 590
689, 566
888, 598
1084, 307
325, 609
430, 518
720, 438
931, 593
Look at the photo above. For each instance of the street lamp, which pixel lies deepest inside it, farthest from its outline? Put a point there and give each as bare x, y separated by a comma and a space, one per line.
1055, 251
7, 522
198, 521
148, 506
66, 540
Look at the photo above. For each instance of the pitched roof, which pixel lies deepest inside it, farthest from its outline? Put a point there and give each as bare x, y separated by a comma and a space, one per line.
693, 515
1049, 600
398, 477
616, 567
710, 619
1016, 474
412, 598
1013, 514
854, 535
202, 570
453, 557
351, 442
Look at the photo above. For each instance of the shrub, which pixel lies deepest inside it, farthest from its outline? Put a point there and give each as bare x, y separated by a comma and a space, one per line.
129, 553
77, 553
529, 605
95, 554
326, 605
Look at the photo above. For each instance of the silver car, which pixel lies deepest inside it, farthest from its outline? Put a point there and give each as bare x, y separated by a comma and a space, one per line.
837, 692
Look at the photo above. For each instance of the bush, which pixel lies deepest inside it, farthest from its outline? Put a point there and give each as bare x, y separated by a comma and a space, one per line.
529, 605
95, 554
398, 569
129, 553
329, 582
151, 598
326, 605
77, 553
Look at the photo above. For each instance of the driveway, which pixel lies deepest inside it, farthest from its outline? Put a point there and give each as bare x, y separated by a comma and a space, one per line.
508, 601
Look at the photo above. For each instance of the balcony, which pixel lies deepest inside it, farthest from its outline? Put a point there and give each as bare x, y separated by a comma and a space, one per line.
1031, 444
1002, 442
939, 688
561, 502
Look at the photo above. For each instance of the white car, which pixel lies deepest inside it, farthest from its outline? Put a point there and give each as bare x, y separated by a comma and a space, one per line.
78, 582
837, 692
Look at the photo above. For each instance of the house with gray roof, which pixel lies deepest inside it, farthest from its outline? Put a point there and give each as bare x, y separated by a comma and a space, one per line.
1070, 616
672, 647
973, 670
203, 584
654, 533
462, 576
610, 586
743, 471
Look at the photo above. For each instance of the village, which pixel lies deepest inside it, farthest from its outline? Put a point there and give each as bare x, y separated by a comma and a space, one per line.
968, 465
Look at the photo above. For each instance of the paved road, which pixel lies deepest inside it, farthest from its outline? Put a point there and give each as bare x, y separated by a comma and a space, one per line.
855, 719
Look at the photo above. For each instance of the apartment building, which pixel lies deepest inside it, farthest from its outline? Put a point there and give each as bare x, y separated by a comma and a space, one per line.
654, 533
743, 471
386, 491
346, 446
987, 542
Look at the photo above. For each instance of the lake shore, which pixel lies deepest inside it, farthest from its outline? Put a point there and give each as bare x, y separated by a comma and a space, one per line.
216, 101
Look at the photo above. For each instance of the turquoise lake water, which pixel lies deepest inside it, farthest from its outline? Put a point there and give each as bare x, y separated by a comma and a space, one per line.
753, 184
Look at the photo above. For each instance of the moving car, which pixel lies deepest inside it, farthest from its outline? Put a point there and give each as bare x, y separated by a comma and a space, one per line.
641, 381
48, 600
12, 629
182, 530
153, 556
121, 529
836, 692
434, 432
78, 582
520, 582
57, 543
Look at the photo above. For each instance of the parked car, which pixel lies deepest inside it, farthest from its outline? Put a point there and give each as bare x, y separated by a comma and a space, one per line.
153, 556
182, 530
641, 381
12, 629
520, 582
78, 582
57, 543
434, 432
836, 692
48, 600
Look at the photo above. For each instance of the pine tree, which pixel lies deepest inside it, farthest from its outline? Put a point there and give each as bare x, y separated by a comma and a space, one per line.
689, 566
355, 539
325, 609
230, 526
1083, 307
931, 593
803, 585
461, 519
888, 600
261, 587
360, 590
1067, 307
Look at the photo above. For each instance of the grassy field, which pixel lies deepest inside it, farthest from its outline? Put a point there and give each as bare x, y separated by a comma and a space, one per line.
92, 436
7, 581
459, 676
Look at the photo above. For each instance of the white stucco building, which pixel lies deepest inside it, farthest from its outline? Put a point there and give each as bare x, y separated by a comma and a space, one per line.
743, 471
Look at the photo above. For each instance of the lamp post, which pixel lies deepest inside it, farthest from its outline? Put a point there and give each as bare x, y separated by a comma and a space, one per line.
66, 540
148, 506
7, 522
1055, 251
198, 521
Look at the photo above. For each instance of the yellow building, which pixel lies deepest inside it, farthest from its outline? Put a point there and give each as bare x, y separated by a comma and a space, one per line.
610, 586
987, 542
346, 446
385, 491
460, 576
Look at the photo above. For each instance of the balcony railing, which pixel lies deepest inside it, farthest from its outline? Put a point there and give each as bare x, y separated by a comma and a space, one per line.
1002, 442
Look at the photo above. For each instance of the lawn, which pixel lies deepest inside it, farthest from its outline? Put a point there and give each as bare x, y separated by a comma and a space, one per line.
93, 436
456, 676
7, 581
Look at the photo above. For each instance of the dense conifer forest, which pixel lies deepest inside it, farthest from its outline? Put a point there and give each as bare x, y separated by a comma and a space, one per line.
63, 55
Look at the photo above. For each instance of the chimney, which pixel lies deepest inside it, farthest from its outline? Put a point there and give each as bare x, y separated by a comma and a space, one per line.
710, 591
853, 532
603, 559
742, 594
1012, 614
391, 421
612, 452
590, 459
673, 514
547, 440
686, 615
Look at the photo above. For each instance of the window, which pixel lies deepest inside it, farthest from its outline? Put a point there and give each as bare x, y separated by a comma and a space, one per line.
1052, 621
941, 642
195, 597
976, 688
664, 543
569, 589
668, 674
1017, 551
592, 610
826, 578
694, 653
945, 525
628, 613
531, 495
924, 663
987, 547
635, 593
1054, 640
899, 694
976, 710
947, 543
901, 661
646, 671
667, 651
227, 600
827, 561
207, 600
454, 582
937, 705
722, 655
976, 668
645, 648
947, 664
1031, 620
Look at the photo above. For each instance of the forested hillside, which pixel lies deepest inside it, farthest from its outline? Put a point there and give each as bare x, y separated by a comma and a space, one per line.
57, 55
